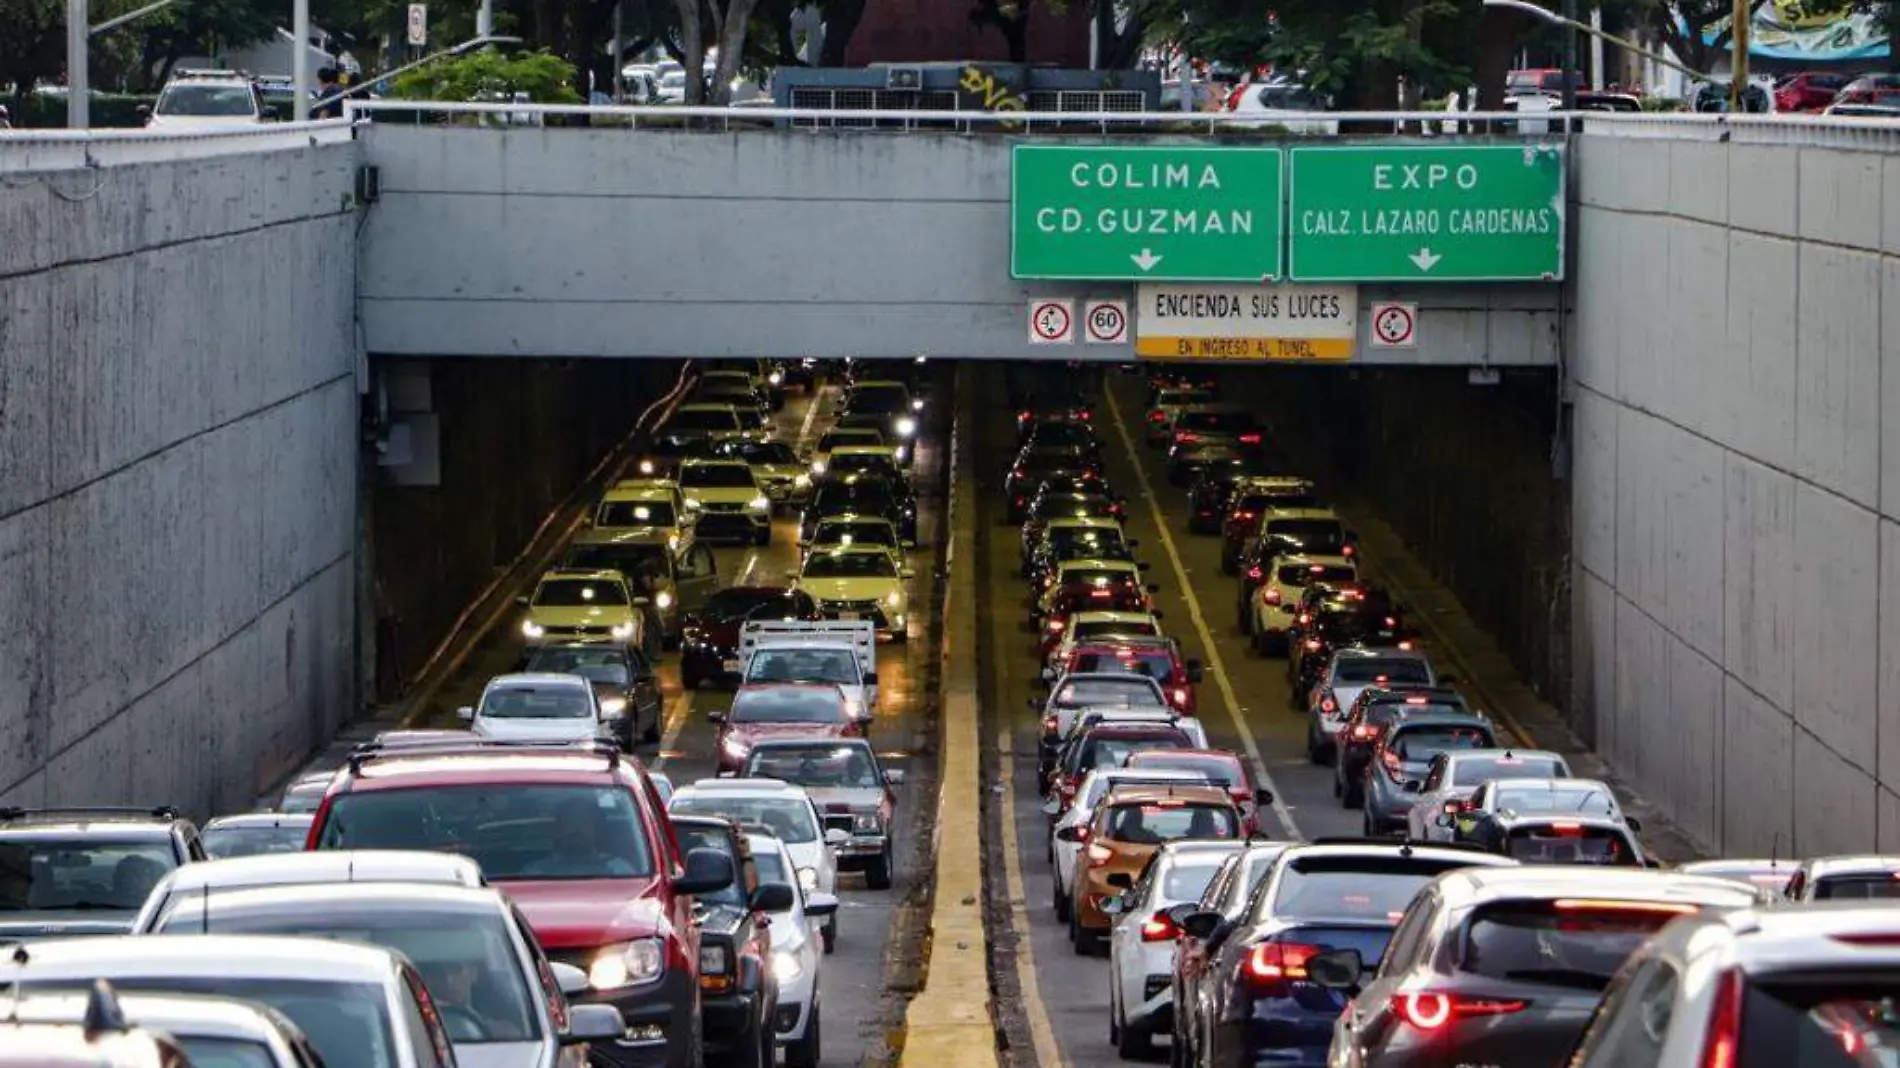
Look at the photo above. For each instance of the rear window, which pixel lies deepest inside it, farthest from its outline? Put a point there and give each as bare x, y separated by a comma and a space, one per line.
1419, 743
1216, 421
1837, 1021
1135, 691
1138, 628
1222, 770
1365, 889
1114, 752
514, 830
1569, 843
1581, 800
1880, 886
1471, 771
1316, 534
1298, 576
1157, 666
1168, 821
1187, 882
636, 514
1562, 943
1400, 671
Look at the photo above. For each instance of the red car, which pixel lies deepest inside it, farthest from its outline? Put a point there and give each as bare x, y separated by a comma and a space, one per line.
1220, 766
1158, 658
1809, 91
777, 711
578, 837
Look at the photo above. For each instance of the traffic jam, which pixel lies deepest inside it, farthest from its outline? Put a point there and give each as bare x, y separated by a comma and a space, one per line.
532, 883
1493, 910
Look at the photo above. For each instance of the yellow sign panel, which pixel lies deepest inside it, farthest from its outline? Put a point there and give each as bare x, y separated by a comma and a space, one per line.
1246, 322
1243, 348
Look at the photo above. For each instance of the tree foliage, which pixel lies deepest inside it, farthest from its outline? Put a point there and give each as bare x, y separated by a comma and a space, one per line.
32, 43
489, 74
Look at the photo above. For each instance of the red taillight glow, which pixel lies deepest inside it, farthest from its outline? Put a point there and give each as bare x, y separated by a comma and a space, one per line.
1277, 962
1405, 646
1157, 417
1418, 700
1452, 808
1180, 696
1187, 437
1312, 645
1328, 705
1725, 1022
1250, 439
1101, 594
1082, 835
1272, 596
1390, 622
1050, 724
1158, 928
1429, 1010
1347, 551
1243, 515
1055, 626
1253, 573
1362, 731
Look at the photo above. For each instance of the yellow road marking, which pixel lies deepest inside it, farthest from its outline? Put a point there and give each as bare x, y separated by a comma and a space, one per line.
678, 711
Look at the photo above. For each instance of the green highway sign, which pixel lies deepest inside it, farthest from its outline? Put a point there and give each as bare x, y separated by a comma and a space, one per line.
1149, 213
1414, 213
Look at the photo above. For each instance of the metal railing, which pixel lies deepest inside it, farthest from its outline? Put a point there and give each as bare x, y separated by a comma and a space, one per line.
45, 150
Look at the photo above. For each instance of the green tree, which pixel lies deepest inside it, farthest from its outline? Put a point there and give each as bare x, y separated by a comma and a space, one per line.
488, 74
32, 45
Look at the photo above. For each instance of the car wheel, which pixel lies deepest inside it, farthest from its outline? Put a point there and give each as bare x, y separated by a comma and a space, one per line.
1061, 901
1315, 755
652, 733
1114, 1010
1354, 795
805, 1052
829, 934
1085, 941
762, 537
878, 875
1134, 1043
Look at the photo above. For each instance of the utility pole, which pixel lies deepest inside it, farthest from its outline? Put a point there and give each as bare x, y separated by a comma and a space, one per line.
1597, 80
620, 48
78, 82
300, 61
1570, 54
1738, 66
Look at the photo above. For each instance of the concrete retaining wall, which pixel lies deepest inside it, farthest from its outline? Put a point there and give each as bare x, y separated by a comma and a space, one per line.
1737, 584
178, 421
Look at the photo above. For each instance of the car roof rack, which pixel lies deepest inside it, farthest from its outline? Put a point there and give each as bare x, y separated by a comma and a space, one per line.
160, 812
369, 751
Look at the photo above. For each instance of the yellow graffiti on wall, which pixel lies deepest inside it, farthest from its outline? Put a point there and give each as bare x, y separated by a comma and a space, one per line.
992, 94
1808, 14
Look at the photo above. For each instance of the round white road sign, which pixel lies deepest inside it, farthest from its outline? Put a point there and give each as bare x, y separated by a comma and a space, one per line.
1106, 322
1394, 326
1051, 322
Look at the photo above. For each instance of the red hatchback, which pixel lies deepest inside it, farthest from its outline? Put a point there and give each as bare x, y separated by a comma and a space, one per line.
578, 837
1158, 658
782, 711
1220, 766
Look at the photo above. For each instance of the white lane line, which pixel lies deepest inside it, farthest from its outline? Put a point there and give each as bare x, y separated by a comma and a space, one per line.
811, 416
1041, 1032
1210, 652
678, 711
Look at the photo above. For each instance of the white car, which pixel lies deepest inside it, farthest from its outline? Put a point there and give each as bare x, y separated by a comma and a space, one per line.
537, 708
200, 101
1168, 404
1350, 673
212, 1030
1455, 776
790, 814
1285, 105
302, 869
1141, 943
1095, 786
1277, 599
796, 963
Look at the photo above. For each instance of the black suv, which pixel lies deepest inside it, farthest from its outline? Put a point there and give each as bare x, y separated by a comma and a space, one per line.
85, 871
738, 994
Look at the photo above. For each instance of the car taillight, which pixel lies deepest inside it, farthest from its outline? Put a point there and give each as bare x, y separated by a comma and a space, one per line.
1254, 573
1159, 928
1082, 835
1312, 645
1272, 595
1725, 1022
1157, 417
1362, 731
1328, 705
1101, 594
1347, 551
1243, 515
1050, 725
1180, 695
1452, 808
1304, 620
1250, 439
1083, 414
1271, 966
1055, 626
1429, 1010
1099, 855
1187, 437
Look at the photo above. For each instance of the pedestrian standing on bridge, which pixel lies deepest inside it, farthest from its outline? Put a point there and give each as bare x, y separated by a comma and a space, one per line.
327, 86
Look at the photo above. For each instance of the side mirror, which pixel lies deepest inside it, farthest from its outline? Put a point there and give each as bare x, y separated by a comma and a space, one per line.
870, 678
144, 111
820, 904
465, 714
642, 602
1264, 797
1634, 824
592, 1023
772, 897
716, 718
1194, 671
1338, 969
707, 870
1121, 880
521, 599
894, 778
907, 572
570, 979
1065, 834
1197, 922
836, 836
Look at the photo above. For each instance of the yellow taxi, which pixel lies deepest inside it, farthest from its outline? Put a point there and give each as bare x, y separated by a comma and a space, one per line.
858, 582
570, 605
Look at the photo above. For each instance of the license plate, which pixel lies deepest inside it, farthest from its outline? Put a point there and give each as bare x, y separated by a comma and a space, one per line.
731, 665
848, 617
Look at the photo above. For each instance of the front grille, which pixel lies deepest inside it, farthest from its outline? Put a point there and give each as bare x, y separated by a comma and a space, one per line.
872, 610
578, 632
721, 506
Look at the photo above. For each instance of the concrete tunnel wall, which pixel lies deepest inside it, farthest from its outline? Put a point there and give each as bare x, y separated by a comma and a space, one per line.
1737, 578
177, 475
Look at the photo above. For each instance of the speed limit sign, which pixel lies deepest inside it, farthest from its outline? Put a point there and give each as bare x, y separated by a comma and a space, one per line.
1106, 322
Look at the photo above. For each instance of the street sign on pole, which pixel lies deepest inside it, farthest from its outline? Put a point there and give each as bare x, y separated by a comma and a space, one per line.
1248, 323
418, 24
1170, 213
1413, 213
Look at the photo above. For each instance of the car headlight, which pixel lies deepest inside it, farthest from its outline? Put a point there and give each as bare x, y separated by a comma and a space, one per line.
785, 966
893, 599
902, 454
733, 747
775, 378
646, 467
817, 467
613, 706
759, 504
907, 426
627, 964
622, 630
663, 599
802, 480
808, 878
692, 504
867, 823
531, 629
917, 404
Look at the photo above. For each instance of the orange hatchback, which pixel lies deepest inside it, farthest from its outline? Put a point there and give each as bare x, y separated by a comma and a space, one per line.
1130, 826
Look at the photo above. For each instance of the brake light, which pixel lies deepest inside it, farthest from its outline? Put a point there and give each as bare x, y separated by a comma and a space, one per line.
1187, 437
1417, 700
1082, 835
1272, 596
1452, 808
1328, 705
1055, 626
1180, 695
1254, 573
1101, 594
1099, 855
1243, 515
1725, 1022
1272, 965
1250, 439
1084, 413
1429, 1010
1159, 928
1390, 622
1405, 646
1362, 731
1050, 724
1157, 416
1346, 551
1673, 908
1312, 645
1567, 830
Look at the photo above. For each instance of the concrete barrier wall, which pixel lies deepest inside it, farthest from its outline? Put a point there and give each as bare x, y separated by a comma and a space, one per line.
529, 241
1736, 610
178, 417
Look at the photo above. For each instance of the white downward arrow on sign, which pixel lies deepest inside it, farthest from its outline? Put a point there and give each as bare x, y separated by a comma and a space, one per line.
1146, 261
1425, 259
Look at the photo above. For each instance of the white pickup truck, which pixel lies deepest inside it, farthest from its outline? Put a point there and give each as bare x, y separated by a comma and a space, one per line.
834, 651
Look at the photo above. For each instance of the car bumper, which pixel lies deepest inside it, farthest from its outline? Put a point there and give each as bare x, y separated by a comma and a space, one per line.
793, 1014
653, 1013
1386, 807
861, 850
707, 661
1155, 1012
1293, 1039
731, 1022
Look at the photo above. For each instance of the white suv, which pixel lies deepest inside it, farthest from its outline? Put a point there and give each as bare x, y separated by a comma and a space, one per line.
199, 100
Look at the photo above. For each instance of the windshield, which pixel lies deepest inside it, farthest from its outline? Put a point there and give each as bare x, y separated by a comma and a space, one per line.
578, 593
206, 100
1420, 742
514, 830
1566, 943
1402, 672
80, 873
841, 463
880, 399
789, 819
222, 842
1569, 843
871, 496
1219, 422
703, 419
1134, 690
767, 452
1074, 506
1298, 576
636, 514
854, 532
788, 706
602, 664
1062, 433
846, 766
804, 665
536, 702
466, 955
1157, 666
1473, 770
733, 603
1187, 882
850, 565
1580, 800
1368, 889
1221, 770
717, 476
347, 1023
1072, 542
1152, 823
1315, 535
1100, 752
